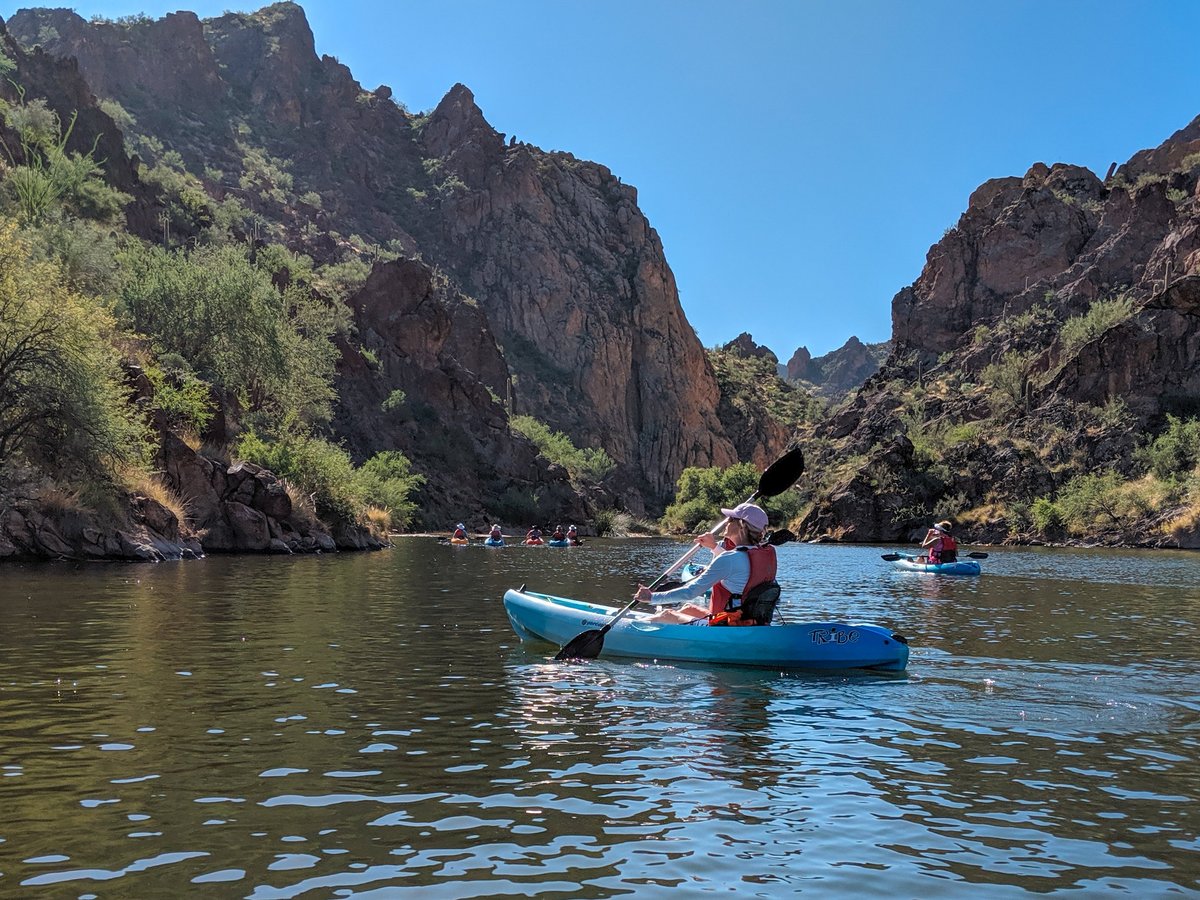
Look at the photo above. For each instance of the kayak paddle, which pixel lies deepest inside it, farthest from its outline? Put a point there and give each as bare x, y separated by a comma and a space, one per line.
892, 557
778, 477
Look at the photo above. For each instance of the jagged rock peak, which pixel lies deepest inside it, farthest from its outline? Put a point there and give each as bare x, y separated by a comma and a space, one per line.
456, 120
744, 345
798, 365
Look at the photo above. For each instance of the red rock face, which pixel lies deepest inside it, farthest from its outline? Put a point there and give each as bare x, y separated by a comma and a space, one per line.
571, 278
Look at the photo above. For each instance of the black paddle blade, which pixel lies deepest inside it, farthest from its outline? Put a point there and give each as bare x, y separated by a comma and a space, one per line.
977, 555
780, 536
781, 474
583, 646
890, 557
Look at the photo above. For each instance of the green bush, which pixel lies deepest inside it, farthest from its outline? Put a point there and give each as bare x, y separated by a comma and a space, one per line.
1045, 515
182, 397
586, 466
273, 351
1090, 501
325, 472
1100, 317
64, 409
700, 493
1175, 452
1009, 381
387, 480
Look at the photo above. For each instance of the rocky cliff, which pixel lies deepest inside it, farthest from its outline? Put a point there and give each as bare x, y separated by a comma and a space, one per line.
1050, 333
570, 278
838, 372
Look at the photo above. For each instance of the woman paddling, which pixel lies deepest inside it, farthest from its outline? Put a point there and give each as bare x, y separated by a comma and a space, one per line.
740, 563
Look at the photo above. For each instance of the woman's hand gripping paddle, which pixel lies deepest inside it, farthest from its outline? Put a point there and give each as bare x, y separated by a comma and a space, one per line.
778, 477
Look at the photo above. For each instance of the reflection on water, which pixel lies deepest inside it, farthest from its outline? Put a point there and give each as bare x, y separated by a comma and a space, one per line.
368, 725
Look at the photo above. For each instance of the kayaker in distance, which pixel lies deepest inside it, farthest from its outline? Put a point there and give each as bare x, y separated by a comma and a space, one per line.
534, 534
559, 534
496, 534
739, 563
942, 546
573, 536
460, 532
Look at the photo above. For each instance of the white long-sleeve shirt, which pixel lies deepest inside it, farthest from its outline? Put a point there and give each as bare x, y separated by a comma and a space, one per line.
727, 566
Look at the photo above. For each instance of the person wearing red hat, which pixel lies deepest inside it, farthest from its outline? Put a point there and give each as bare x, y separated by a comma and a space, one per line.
740, 562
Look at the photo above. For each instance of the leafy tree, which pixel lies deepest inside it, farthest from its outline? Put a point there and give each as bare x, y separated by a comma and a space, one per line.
1176, 451
271, 350
585, 466
64, 405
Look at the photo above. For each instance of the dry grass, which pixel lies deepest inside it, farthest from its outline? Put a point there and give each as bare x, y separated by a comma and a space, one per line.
152, 486
58, 500
222, 453
304, 512
189, 437
377, 520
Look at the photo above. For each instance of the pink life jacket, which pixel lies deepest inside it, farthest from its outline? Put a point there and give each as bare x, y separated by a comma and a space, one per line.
943, 550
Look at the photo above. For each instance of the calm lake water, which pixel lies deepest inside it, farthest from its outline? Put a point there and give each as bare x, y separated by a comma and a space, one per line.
368, 725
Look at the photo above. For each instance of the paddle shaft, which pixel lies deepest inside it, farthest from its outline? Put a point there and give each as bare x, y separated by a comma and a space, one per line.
599, 636
778, 477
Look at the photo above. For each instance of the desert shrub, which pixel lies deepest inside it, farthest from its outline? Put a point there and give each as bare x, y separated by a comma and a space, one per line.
386, 480
1176, 451
1045, 515
586, 466
1105, 500
1100, 317
43, 178
324, 471
64, 405
1009, 380
700, 493
191, 304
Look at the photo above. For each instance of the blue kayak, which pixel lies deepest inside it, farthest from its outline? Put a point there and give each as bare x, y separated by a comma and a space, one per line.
807, 645
494, 542
961, 567
563, 543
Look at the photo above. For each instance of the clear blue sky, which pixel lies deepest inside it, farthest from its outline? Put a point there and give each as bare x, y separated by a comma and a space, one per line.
797, 158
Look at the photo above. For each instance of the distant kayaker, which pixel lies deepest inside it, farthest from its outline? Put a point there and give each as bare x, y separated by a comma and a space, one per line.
534, 534
496, 534
460, 532
573, 535
942, 546
559, 534
740, 562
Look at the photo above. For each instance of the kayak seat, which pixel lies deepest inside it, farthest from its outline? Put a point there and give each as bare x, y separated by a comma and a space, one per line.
757, 607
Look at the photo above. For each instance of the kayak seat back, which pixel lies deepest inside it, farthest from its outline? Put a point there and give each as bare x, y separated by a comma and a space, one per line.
757, 607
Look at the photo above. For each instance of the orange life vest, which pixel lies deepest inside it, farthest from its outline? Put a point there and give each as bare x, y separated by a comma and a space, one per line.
727, 604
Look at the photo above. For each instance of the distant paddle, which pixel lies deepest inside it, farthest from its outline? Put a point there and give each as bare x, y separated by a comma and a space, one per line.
892, 557
778, 477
